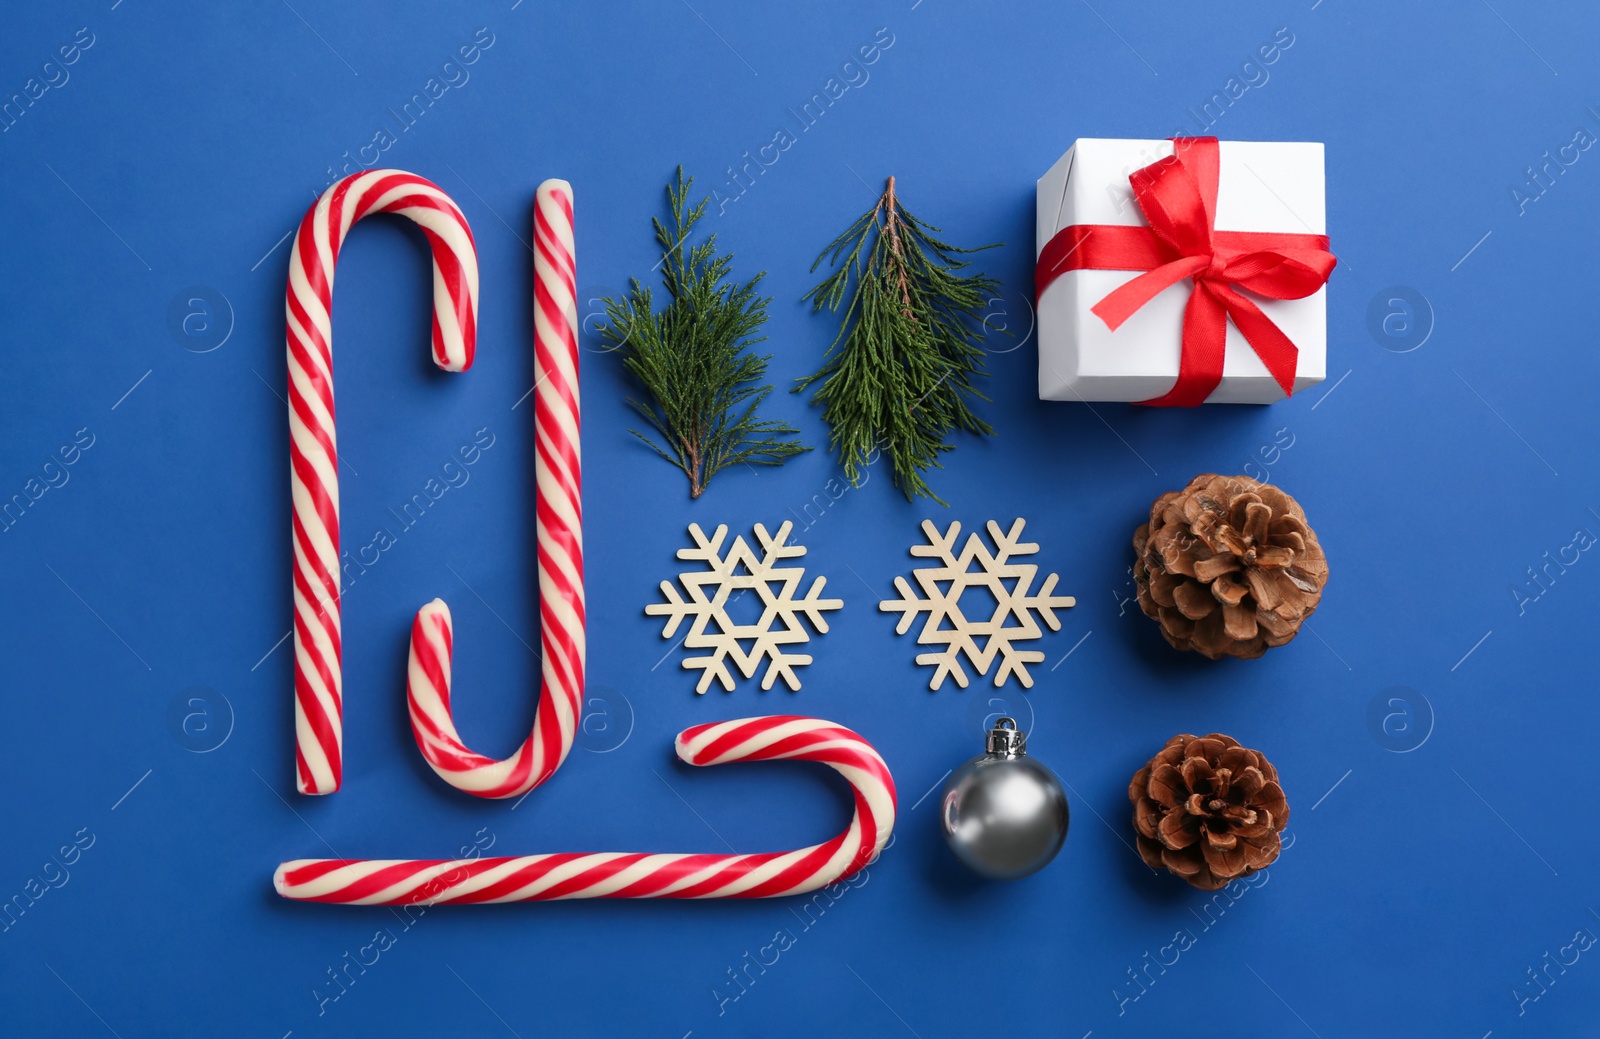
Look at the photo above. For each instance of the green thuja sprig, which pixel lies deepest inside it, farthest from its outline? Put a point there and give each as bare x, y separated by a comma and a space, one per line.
690, 358
899, 375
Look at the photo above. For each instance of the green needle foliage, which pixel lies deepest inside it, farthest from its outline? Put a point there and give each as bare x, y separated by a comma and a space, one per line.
899, 376
691, 360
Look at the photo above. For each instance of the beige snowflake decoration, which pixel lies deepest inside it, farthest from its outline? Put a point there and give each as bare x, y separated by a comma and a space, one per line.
981, 641
725, 579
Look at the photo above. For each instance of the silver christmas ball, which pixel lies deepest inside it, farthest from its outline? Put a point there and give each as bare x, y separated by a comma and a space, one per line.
1004, 814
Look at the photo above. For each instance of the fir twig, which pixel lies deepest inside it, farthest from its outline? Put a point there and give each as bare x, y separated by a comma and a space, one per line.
690, 358
900, 374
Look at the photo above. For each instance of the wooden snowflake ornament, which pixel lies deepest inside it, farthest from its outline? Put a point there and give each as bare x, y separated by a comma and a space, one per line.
980, 641
725, 579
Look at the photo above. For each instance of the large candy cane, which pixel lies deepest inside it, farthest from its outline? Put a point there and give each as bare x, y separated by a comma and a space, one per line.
558, 473
530, 878
313, 450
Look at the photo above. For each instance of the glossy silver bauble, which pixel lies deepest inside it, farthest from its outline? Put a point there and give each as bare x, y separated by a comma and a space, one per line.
1003, 813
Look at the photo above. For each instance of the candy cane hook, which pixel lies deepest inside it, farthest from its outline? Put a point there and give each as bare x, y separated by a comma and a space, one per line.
313, 450
558, 472
530, 878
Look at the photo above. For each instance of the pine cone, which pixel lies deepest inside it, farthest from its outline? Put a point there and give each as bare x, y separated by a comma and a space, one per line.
1228, 566
1209, 810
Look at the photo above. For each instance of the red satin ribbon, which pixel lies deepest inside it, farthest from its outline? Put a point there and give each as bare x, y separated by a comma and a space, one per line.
1178, 196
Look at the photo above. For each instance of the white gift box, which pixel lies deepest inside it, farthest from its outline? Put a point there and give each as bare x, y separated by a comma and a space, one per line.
1262, 186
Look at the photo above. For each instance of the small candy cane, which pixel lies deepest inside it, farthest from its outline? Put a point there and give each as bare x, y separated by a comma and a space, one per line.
313, 450
558, 472
528, 878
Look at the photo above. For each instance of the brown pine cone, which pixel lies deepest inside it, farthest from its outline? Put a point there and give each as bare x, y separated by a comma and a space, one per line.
1228, 566
1209, 810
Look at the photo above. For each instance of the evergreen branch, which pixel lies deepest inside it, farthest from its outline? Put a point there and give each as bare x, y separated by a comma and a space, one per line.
701, 386
900, 374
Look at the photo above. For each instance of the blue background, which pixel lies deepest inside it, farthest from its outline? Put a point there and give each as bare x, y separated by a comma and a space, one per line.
1433, 730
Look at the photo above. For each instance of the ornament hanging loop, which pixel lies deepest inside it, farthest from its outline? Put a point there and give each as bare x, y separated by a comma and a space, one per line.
1005, 740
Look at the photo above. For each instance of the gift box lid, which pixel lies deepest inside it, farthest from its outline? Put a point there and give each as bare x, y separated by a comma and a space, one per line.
1283, 187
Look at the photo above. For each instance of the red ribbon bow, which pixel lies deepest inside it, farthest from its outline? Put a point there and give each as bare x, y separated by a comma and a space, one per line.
1178, 196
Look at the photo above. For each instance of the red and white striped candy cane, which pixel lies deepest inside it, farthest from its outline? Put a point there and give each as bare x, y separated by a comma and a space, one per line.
313, 448
558, 472
529, 878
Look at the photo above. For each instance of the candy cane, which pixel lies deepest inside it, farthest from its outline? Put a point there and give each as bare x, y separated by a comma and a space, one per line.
558, 473
314, 463
528, 878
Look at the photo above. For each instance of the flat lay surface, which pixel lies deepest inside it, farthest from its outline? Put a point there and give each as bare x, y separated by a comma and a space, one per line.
1430, 724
